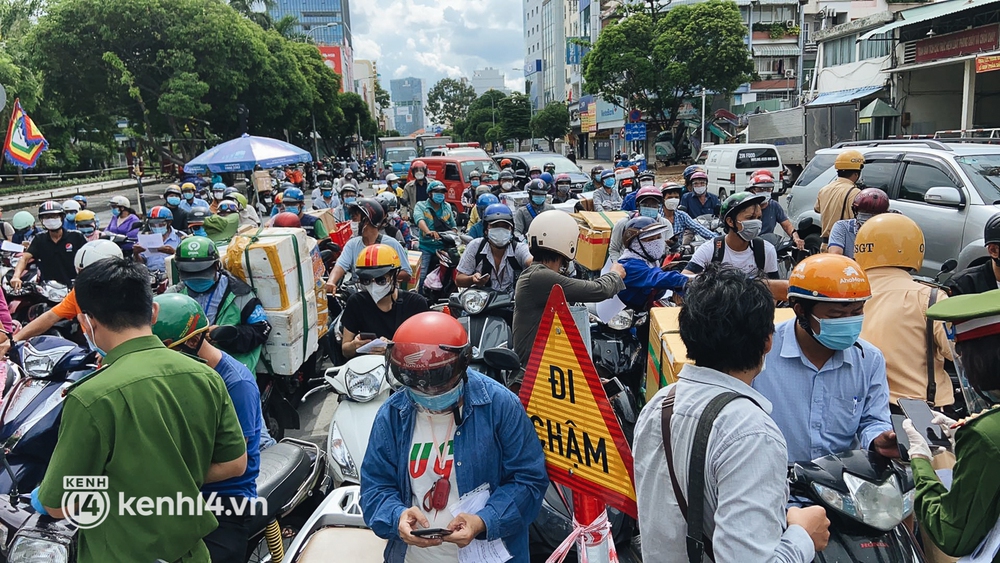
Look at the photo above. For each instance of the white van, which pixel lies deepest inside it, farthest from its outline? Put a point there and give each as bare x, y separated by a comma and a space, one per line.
729, 167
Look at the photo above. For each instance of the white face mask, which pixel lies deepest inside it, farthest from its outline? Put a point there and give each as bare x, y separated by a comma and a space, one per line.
378, 291
500, 237
418, 175
354, 227
52, 224
701, 190
671, 203
507, 186
655, 248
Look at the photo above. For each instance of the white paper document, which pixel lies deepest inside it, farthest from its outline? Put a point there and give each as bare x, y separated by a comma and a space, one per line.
479, 551
375, 346
151, 241
984, 553
8, 246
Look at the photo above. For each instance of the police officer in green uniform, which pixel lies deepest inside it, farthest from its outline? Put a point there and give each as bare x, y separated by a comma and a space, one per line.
958, 519
155, 423
227, 301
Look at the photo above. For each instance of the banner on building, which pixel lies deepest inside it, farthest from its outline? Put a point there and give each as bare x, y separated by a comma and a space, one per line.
574, 51
339, 60
968, 42
987, 64
24, 142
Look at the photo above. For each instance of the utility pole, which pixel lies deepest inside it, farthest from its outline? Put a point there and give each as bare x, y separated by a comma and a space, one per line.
703, 126
315, 139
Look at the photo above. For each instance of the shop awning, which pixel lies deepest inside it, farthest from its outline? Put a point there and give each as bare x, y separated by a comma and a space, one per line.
844, 96
925, 13
776, 51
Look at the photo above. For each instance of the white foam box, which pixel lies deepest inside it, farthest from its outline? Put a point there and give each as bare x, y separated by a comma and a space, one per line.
277, 265
288, 324
286, 357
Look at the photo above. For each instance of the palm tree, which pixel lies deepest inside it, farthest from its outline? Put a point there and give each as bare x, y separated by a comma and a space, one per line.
288, 27
255, 10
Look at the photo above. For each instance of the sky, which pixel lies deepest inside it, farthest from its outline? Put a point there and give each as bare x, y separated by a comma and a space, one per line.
435, 39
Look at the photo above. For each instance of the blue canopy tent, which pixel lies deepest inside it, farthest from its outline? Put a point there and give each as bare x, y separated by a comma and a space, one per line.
242, 154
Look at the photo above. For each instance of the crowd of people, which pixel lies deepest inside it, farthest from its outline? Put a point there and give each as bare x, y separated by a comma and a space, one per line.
864, 334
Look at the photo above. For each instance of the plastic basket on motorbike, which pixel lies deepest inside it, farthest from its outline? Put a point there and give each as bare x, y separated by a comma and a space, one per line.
595, 236
413, 257
275, 262
667, 353
341, 233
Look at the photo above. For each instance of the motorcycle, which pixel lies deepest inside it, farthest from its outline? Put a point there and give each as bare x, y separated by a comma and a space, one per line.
337, 526
487, 316
618, 350
866, 497
788, 254
440, 281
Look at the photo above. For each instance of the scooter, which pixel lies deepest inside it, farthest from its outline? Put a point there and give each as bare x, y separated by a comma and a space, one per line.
440, 281
617, 349
337, 526
866, 497
487, 316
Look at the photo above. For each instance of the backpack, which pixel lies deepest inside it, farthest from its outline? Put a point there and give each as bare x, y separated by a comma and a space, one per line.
757, 245
484, 266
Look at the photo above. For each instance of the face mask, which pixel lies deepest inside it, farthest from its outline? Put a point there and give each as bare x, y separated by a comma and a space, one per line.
393, 186
350, 199
437, 403
418, 175
474, 183
535, 176
655, 249
597, 178
327, 193
90, 339
538, 199
189, 195
158, 230
862, 217
293, 209
115, 212
173, 200
52, 224
700, 190
609, 183
500, 237
200, 285
378, 291
507, 186
437, 197
218, 195
750, 230
651, 212
87, 230
71, 217
839, 334
355, 225
671, 203
200, 231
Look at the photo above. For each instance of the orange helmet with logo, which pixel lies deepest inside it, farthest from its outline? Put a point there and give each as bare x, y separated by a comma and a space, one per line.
376, 261
829, 277
850, 159
889, 239
428, 350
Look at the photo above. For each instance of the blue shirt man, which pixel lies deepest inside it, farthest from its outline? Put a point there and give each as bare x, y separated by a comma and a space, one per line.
840, 406
696, 208
156, 261
770, 215
243, 391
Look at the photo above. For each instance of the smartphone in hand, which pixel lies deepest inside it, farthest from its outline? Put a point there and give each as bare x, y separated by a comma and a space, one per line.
367, 336
921, 414
431, 533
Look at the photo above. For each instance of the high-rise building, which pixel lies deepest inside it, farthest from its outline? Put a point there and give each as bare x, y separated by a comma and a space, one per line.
315, 18
407, 96
488, 79
365, 76
545, 50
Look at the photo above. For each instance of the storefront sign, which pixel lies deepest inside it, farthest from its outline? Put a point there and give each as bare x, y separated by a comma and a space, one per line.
975, 40
588, 114
607, 112
987, 64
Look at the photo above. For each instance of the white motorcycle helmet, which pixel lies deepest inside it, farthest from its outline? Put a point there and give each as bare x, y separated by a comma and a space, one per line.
556, 231
94, 251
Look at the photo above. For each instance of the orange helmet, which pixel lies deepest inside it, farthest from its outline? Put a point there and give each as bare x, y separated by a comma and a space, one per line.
376, 261
889, 239
428, 350
505, 163
829, 277
850, 159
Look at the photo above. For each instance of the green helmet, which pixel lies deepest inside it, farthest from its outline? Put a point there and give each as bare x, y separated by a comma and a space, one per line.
22, 220
196, 254
180, 318
739, 201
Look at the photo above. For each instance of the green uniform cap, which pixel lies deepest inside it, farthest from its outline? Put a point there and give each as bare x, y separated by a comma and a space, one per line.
983, 308
180, 318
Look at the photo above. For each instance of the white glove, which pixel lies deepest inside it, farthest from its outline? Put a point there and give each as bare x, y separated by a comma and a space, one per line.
946, 424
918, 445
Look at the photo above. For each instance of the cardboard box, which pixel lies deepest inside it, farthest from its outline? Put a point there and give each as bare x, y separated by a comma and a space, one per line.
413, 257
262, 181
326, 217
595, 236
666, 351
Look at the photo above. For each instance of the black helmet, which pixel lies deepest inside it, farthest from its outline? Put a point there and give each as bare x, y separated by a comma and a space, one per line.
50, 208
371, 209
506, 174
596, 170
992, 231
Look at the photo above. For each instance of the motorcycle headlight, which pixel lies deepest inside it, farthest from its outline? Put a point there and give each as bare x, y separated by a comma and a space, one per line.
879, 505
474, 301
340, 455
621, 321
363, 387
27, 549
40, 363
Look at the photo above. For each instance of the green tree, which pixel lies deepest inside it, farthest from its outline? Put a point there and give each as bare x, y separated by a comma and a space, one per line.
515, 117
15, 16
653, 65
382, 98
551, 123
288, 27
448, 101
355, 117
483, 114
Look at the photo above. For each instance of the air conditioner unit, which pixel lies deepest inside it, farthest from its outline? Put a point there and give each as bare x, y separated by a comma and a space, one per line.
790, 73
789, 24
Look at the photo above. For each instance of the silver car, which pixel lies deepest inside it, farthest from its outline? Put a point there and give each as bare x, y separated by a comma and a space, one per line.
949, 188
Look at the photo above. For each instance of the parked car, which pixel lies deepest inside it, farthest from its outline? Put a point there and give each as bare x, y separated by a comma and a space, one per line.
730, 166
949, 187
525, 160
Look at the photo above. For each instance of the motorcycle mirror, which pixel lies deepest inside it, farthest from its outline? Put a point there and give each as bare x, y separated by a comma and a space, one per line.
502, 359
805, 223
13, 477
949, 265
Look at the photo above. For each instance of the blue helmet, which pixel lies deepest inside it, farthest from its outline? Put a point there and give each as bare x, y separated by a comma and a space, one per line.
498, 212
293, 195
81, 198
218, 187
642, 227
547, 178
485, 201
607, 174
691, 170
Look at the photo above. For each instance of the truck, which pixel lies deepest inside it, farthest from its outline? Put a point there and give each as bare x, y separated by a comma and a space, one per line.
398, 153
428, 143
799, 132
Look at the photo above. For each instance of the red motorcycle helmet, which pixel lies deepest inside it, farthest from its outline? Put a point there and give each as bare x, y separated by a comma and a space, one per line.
428, 350
418, 165
287, 220
870, 200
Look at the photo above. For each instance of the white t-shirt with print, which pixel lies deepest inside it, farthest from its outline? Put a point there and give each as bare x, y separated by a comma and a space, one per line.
742, 259
432, 456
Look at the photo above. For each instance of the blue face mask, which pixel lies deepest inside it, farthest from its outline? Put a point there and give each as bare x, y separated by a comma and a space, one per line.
437, 197
839, 334
115, 212
200, 285
609, 183
651, 212
90, 340
200, 231
475, 183
437, 403
350, 199
158, 230
292, 209
71, 217
189, 195
173, 200
327, 193
538, 199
